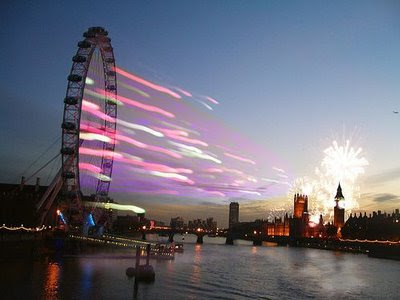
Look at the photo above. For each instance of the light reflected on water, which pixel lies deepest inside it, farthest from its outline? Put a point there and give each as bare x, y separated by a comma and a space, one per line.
211, 271
196, 273
51, 283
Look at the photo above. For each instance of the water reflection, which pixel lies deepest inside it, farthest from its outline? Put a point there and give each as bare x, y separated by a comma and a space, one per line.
86, 278
51, 283
196, 273
210, 271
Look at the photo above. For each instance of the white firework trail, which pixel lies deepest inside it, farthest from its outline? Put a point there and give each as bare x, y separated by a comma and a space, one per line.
340, 164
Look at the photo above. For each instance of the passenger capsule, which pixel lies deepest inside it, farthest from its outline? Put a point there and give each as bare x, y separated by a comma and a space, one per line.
67, 151
84, 44
89, 34
75, 78
79, 59
71, 100
68, 126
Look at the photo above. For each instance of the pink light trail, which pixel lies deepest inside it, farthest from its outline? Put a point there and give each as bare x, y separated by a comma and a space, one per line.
239, 158
140, 105
149, 84
130, 141
89, 167
212, 100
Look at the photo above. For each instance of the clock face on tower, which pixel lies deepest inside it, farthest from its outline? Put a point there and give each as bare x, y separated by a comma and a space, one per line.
341, 203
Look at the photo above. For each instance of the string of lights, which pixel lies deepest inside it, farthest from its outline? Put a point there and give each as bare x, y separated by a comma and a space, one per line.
31, 229
369, 241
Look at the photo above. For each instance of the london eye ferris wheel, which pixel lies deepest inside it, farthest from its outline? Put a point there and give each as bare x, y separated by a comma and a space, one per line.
89, 120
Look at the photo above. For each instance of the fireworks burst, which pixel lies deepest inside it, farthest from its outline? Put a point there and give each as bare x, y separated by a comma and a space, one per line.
340, 164
343, 163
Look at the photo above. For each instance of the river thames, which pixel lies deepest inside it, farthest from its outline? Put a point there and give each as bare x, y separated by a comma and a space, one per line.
209, 271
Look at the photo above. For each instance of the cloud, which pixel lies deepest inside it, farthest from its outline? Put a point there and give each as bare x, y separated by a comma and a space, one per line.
385, 176
386, 197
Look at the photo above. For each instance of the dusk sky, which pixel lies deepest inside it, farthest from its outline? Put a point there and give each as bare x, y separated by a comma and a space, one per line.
291, 77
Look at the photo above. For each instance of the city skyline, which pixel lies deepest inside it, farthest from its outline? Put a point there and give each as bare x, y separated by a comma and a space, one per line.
289, 78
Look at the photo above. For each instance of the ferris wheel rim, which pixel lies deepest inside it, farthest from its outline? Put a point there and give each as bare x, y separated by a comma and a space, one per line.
95, 38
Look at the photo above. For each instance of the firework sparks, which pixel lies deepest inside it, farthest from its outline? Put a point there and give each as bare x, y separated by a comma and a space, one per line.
342, 164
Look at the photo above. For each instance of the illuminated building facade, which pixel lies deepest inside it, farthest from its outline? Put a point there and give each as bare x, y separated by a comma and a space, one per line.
295, 226
300, 219
300, 206
279, 227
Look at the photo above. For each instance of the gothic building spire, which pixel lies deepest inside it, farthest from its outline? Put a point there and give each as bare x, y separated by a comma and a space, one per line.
339, 194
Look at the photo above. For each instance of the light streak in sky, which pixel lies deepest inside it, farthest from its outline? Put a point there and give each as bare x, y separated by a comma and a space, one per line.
102, 96
89, 81
186, 93
191, 151
130, 141
123, 207
153, 166
212, 100
98, 113
89, 167
99, 152
235, 171
172, 131
214, 170
103, 177
270, 180
200, 155
140, 127
150, 147
252, 179
186, 147
180, 128
146, 107
278, 169
94, 136
147, 83
275, 181
282, 176
136, 143
131, 88
186, 139
130, 156
91, 127
173, 176
239, 158
89, 104
206, 105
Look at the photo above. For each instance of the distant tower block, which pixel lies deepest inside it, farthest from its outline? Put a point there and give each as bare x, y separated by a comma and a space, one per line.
338, 219
233, 213
300, 205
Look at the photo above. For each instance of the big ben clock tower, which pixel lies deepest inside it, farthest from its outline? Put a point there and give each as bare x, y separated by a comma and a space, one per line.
338, 219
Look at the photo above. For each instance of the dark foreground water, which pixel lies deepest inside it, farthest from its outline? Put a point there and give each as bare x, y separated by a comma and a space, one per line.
209, 271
